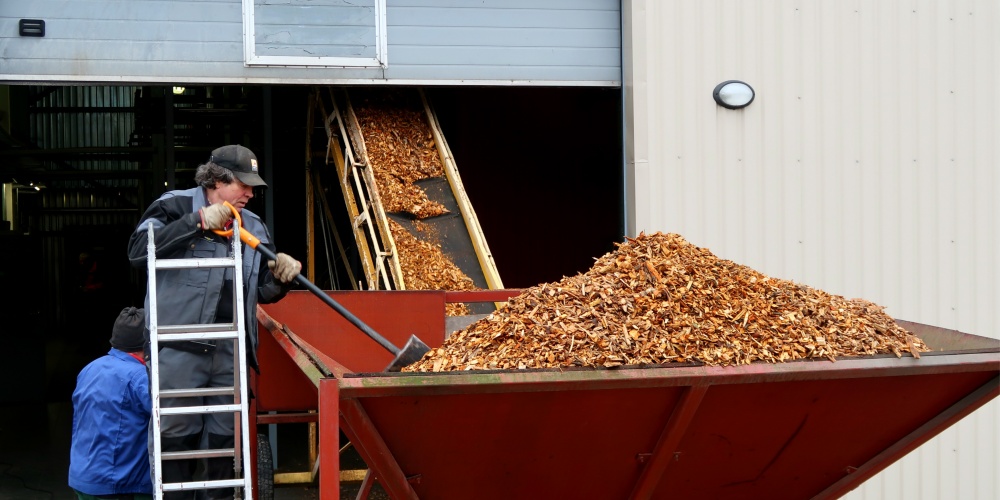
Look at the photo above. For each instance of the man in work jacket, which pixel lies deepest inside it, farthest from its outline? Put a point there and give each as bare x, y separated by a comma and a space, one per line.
184, 222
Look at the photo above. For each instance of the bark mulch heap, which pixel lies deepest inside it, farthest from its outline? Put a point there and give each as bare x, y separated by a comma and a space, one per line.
659, 299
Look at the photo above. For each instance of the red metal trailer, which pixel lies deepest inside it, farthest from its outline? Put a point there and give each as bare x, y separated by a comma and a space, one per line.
804, 429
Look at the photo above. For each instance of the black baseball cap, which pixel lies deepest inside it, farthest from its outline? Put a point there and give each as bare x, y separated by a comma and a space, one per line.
241, 161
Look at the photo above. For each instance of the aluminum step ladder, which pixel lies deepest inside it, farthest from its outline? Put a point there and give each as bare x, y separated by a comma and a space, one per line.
219, 332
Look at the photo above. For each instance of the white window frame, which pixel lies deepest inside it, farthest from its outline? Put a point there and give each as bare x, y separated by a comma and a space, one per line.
251, 58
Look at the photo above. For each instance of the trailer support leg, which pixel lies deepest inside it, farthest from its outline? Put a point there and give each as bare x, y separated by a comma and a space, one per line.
366, 485
329, 443
369, 443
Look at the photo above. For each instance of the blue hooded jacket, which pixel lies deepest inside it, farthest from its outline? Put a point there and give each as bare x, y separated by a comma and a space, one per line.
111, 409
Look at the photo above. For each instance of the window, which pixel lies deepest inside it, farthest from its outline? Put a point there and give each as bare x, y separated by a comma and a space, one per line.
321, 33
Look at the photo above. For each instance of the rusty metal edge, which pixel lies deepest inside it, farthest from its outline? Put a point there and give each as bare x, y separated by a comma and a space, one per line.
313, 363
499, 382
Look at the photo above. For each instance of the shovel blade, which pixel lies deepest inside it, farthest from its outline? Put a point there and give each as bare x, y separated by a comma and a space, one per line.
409, 354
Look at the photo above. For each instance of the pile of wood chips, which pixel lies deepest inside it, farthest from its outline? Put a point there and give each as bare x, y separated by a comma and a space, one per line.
425, 267
401, 151
659, 299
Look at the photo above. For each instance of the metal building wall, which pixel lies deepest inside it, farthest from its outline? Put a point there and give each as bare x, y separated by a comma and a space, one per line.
866, 166
491, 42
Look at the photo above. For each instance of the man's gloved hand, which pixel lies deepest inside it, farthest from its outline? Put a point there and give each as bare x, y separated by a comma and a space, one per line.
285, 268
215, 216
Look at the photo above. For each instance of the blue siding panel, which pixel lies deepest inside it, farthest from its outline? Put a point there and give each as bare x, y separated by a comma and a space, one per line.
511, 4
506, 56
528, 42
498, 74
424, 36
193, 11
488, 18
100, 52
116, 32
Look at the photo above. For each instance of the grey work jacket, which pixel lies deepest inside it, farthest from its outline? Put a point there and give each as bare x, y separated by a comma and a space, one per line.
191, 296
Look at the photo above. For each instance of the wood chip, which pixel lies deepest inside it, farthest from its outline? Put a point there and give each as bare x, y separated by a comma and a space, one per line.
659, 299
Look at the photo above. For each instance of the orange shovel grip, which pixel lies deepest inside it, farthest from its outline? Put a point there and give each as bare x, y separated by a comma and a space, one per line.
245, 235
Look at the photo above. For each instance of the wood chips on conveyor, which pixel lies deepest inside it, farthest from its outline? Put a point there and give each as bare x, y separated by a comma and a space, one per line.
659, 299
401, 152
425, 267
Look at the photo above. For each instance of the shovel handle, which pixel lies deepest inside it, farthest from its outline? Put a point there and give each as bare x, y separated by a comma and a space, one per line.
245, 236
254, 243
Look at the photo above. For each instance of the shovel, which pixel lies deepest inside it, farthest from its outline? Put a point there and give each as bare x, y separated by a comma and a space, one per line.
410, 353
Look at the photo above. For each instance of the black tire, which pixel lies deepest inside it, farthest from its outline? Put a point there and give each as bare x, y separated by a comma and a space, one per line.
265, 469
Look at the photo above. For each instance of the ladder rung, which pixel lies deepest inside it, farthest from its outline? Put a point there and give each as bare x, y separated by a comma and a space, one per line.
189, 410
177, 337
198, 392
196, 328
204, 485
191, 454
195, 263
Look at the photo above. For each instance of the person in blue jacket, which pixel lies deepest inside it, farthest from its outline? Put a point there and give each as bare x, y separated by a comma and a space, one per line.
109, 458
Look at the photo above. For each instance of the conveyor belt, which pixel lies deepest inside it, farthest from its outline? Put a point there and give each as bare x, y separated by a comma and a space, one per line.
448, 230
456, 233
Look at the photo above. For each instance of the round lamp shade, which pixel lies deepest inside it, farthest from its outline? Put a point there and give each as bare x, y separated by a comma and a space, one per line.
733, 94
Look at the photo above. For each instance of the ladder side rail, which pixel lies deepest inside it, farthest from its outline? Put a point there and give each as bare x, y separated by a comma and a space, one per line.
154, 372
239, 408
351, 184
378, 232
381, 230
240, 371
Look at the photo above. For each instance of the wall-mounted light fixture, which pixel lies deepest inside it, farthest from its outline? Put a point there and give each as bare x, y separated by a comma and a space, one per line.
178, 90
733, 94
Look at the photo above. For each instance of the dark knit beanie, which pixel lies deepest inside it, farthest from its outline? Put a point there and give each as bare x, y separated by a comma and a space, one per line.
127, 333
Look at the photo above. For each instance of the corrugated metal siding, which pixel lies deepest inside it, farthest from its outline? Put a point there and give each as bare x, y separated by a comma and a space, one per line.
85, 117
867, 166
532, 42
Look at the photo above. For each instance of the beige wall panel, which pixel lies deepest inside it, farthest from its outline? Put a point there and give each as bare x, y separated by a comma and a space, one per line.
868, 166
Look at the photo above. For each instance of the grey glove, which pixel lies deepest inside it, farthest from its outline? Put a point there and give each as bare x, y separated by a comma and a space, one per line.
285, 268
215, 216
